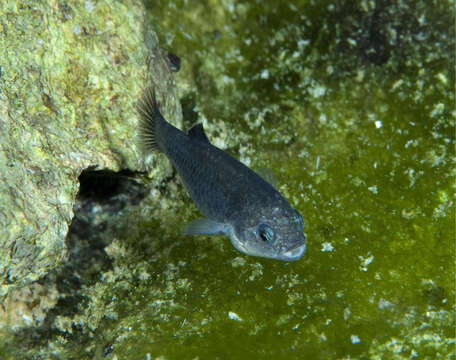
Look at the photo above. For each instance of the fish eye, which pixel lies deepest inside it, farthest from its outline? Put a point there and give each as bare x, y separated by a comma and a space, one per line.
266, 233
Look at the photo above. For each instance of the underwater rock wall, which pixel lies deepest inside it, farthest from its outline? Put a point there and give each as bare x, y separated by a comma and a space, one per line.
70, 73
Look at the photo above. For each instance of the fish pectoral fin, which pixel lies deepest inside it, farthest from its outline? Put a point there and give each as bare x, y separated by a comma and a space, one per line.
206, 227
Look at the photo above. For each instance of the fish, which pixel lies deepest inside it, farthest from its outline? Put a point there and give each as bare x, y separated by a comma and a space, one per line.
235, 200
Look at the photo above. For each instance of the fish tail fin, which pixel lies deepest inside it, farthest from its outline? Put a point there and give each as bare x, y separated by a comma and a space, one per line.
149, 121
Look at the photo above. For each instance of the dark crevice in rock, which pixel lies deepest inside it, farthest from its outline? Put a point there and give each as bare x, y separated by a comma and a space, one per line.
106, 186
103, 200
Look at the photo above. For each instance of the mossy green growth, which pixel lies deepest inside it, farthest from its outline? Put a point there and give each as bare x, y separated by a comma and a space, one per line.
70, 73
352, 106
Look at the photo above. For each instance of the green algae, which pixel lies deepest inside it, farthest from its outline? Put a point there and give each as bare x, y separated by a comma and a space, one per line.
358, 125
360, 136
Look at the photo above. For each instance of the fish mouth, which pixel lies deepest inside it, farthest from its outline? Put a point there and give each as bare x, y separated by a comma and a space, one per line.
294, 253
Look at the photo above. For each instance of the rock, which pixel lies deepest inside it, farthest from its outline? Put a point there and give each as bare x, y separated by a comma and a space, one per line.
70, 75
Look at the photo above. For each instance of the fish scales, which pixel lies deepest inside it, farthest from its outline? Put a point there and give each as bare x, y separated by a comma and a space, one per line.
236, 200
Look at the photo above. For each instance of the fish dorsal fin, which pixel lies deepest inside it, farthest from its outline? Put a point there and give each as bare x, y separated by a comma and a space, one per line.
197, 132
268, 176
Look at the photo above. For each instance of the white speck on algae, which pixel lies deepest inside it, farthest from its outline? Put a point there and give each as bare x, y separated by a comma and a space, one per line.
233, 316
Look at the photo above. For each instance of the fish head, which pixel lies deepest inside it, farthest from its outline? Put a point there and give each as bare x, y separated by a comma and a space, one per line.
275, 233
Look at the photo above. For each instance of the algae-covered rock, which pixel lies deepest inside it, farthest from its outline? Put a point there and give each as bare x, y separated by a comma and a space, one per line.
70, 74
27, 306
351, 105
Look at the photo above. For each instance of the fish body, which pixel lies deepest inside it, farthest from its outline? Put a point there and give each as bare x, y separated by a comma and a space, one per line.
235, 200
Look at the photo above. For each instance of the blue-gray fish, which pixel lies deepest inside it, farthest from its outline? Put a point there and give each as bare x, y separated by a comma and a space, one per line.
236, 200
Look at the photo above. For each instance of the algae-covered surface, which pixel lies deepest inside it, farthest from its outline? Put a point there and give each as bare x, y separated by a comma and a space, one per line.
70, 72
352, 107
